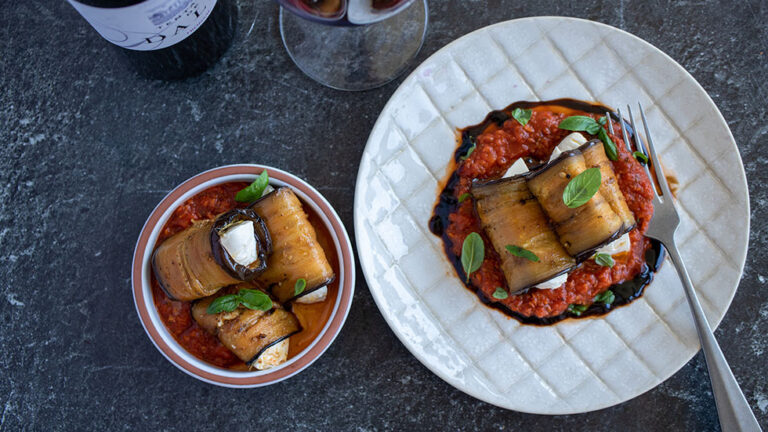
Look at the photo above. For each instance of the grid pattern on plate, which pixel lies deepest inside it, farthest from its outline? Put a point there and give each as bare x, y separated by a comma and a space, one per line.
576, 365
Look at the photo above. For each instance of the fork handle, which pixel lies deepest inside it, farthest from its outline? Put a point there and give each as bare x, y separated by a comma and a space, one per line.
732, 407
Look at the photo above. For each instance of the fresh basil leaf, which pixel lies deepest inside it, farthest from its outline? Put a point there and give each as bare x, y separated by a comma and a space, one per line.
522, 253
469, 151
255, 299
580, 124
522, 115
472, 253
604, 260
255, 190
500, 293
299, 287
225, 303
607, 298
464, 196
610, 147
602, 120
641, 157
577, 309
582, 188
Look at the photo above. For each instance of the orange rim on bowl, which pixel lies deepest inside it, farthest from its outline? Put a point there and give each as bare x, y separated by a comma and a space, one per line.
164, 341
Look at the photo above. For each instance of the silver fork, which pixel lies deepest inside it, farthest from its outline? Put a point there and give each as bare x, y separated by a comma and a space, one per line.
732, 407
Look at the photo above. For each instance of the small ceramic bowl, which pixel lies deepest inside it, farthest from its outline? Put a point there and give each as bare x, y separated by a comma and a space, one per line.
153, 324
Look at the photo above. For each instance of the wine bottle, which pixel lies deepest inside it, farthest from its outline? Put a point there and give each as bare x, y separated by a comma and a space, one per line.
164, 39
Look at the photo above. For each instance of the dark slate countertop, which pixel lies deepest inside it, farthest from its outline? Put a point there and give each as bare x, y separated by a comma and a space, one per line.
87, 149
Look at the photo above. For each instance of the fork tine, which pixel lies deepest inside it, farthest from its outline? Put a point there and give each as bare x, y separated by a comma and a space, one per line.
610, 122
640, 147
627, 143
660, 177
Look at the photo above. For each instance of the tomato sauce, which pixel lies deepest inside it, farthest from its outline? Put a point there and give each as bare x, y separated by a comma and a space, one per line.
177, 315
499, 141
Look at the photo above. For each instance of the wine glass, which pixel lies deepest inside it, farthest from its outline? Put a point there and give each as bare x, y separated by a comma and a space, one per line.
353, 44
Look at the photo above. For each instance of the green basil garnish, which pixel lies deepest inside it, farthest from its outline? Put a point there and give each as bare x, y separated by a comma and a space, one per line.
641, 157
224, 303
580, 124
470, 150
602, 120
255, 299
255, 190
608, 145
250, 298
522, 253
582, 188
472, 253
299, 287
605, 298
577, 309
500, 293
463, 197
604, 260
522, 115
592, 127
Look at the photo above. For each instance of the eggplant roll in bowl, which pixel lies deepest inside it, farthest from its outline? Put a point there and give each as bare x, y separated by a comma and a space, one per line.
543, 212
243, 279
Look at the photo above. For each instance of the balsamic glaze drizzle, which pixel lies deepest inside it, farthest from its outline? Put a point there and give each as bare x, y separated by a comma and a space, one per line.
447, 203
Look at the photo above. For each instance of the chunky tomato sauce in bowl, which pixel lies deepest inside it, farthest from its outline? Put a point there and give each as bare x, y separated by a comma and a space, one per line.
170, 324
495, 145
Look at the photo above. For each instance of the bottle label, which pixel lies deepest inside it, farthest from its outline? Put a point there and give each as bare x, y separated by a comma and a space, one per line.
149, 25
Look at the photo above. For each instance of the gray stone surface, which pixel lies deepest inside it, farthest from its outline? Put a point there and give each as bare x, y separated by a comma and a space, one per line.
87, 149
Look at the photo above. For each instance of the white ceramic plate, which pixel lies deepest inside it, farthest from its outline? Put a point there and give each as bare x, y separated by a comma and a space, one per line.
576, 365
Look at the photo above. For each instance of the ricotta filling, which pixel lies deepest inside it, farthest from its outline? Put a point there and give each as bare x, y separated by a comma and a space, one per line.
570, 142
273, 356
555, 282
240, 243
620, 245
315, 296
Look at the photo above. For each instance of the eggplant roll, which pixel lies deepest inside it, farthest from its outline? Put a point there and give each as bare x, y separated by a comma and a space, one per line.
594, 156
581, 229
241, 243
259, 338
511, 215
195, 262
296, 253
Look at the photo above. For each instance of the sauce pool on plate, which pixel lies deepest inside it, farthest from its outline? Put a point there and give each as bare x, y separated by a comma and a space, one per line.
496, 144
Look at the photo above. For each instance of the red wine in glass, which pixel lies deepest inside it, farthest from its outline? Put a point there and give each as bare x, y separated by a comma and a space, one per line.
345, 12
353, 44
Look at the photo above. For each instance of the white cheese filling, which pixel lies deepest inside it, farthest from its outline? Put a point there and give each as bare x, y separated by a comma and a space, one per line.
570, 142
273, 356
620, 245
315, 296
555, 282
240, 243
517, 168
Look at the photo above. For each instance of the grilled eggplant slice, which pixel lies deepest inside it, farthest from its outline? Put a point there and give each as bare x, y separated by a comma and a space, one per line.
510, 215
594, 156
185, 266
582, 229
296, 251
192, 264
259, 338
